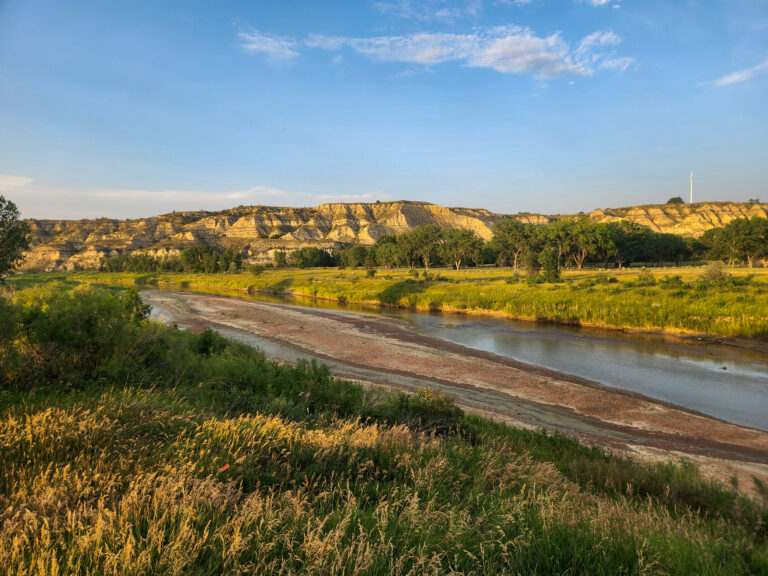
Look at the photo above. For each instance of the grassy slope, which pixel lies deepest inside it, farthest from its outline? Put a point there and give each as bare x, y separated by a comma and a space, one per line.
685, 306
146, 450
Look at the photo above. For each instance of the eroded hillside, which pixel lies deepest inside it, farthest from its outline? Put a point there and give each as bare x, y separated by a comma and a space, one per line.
259, 230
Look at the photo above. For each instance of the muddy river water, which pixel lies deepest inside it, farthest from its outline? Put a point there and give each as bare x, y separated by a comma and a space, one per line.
720, 380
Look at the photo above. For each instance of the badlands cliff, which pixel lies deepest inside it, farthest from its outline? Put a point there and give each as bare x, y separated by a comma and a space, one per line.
259, 230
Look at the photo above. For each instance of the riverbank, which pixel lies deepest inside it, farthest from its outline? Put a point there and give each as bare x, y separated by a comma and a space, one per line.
673, 301
130, 447
385, 352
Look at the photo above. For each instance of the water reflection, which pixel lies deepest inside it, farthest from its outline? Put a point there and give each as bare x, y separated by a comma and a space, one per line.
713, 379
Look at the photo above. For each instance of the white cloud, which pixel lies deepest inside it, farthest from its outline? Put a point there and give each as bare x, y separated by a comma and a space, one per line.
597, 2
367, 197
620, 64
274, 48
445, 10
506, 49
40, 200
11, 183
515, 2
742, 75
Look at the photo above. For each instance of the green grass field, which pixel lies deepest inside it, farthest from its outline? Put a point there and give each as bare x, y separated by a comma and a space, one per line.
132, 448
676, 300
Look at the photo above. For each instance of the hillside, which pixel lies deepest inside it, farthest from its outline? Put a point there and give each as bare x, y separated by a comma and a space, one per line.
259, 230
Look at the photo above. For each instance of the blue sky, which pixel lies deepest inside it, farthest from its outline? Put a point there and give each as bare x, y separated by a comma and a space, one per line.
134, 108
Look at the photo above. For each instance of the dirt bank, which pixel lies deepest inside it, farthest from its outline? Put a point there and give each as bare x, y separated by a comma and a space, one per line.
387, 352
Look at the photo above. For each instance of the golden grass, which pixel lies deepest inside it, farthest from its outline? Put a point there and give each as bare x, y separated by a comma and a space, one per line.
611, 299
132, 482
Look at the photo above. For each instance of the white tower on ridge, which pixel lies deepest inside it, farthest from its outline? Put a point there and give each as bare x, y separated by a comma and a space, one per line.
691, 202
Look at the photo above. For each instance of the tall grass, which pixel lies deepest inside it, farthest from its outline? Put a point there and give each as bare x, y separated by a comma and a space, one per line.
675, 300
192, 454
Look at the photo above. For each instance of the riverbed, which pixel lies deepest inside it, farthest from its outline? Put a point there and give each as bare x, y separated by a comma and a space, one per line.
717, 379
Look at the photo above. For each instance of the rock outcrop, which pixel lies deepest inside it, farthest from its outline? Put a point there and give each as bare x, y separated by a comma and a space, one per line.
259, 230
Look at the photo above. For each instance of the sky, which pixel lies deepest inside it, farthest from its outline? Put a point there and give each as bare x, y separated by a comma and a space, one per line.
130, 108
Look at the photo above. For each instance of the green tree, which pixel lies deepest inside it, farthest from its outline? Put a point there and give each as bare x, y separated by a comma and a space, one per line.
510, 239
550, 264
13, 238
459, 246
584, 240
354, 257
428, 238
310, 257
386, 251
675, 200
747, 238
280, 258
559, 235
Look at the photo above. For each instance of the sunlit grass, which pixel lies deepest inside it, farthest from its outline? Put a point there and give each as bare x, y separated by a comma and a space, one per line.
593, 298
177, 453
135, 481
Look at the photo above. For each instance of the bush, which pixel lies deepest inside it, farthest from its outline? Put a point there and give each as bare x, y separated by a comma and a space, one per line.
673, 281
550, 265
256, 269
714, 273
645, 278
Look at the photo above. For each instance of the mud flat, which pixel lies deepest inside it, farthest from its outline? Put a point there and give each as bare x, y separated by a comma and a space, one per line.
388, 352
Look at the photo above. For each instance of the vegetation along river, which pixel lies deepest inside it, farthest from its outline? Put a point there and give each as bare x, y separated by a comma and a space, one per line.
720, 380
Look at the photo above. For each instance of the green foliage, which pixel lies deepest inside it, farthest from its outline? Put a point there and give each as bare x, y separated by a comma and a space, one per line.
460, 246
203, 457
675, 200
13, 238
256, 269
310, 257
354, 257
714, 273
550, 267
645, 278
743, 239
511, 239
280, 259
193, 259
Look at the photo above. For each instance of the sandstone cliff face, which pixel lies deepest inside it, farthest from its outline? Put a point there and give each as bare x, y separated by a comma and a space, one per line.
259, 230
683, 219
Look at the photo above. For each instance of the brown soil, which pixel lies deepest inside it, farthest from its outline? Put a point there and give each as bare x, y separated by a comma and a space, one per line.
389, 353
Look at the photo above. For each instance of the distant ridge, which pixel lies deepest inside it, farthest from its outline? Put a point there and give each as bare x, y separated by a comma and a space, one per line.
259, 230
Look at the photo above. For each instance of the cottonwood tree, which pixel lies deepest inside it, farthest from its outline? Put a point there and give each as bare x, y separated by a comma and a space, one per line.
13, 238
427, 240
459, 246
511, 238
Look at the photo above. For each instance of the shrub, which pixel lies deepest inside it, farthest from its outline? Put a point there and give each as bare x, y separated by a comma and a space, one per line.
550, 265
714, 273
645, 278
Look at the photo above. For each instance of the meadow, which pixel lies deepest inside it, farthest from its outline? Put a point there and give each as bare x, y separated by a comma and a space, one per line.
733, 302
133, 448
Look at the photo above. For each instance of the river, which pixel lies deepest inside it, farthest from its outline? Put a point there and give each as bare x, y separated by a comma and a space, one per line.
722, 381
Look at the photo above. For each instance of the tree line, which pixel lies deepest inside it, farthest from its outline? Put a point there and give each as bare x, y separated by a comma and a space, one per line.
572, 242
198, 258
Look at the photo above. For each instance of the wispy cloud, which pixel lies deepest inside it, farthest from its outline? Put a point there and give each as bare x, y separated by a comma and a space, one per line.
10, 183
42, 200
515, 2
366, 197
446, 10
273, 48
742, 75
506, 49
597, 3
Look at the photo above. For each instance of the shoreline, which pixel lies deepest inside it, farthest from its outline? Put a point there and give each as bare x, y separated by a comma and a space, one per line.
386, 352
674, 335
